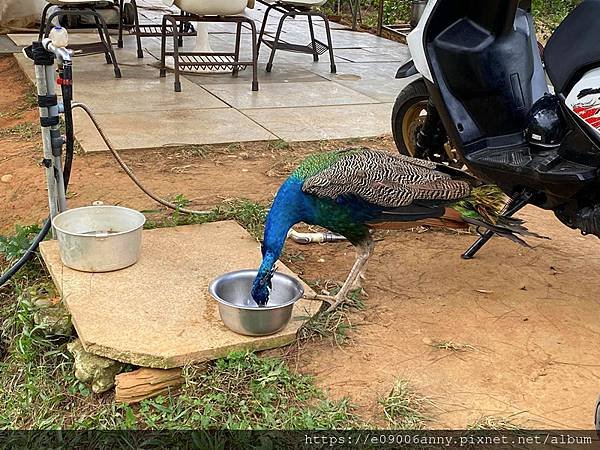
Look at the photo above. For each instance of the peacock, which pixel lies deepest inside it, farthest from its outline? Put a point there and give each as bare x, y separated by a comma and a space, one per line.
353, 191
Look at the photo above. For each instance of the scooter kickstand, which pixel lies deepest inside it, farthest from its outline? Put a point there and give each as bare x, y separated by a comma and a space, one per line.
514, 206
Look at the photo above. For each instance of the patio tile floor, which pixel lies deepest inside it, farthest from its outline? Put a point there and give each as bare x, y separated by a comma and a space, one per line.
153, 129
299, 100
285, 95
325, 122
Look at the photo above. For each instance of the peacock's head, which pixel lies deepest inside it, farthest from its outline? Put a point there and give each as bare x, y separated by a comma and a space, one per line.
261, 287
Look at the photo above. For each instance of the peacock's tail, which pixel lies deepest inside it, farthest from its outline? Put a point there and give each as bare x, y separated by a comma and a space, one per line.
484, 209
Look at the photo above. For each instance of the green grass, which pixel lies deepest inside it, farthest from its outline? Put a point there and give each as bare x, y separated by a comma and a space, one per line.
404, 408
26, 131
248, 214
280, 145
552, 12
245, 391
335, 325
496, 423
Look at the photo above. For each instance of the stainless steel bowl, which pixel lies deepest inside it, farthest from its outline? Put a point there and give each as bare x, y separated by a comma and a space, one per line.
99, 238
240, 313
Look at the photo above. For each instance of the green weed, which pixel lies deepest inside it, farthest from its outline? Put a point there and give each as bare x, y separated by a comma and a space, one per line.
495, 423
248, 214
26, 131
404, 408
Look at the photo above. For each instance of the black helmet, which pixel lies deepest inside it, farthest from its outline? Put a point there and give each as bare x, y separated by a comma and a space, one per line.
546, 123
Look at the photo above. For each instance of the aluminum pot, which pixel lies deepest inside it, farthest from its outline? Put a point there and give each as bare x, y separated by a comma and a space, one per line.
241, 314
99, 238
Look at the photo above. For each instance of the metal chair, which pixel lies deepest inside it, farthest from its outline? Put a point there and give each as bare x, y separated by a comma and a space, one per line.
140, 30
71, 8
203, 57
293, 8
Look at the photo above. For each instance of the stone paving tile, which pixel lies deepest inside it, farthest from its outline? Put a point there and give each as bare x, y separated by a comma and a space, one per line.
281, 73
7, 46
361, 55
376, 80
157, 94
158, 312
155, 129
26, 66
282, 95
325, 122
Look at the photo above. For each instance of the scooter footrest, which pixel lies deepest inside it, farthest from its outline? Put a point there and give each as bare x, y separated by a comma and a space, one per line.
569, 169
516, 157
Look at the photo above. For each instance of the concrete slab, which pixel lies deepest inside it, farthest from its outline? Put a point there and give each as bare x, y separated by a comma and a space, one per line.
281, 95
357, 39
280, 74
376, 80
325, 122
26, 66
77, 37
155, 129
361, 55
115, 96
93, 68
7, 46
158, 313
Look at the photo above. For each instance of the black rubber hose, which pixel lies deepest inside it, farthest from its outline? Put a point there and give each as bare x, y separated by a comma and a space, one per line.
67, 94
28, 254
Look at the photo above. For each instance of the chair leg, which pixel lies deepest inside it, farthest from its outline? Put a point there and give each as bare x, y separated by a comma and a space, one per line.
329, 43
163, 48
43, 22
236, 56
120, 39
177, 83
107, 55
254, 56
276, 42
312, 38
181, 31
108, 44
136, 24
263, 27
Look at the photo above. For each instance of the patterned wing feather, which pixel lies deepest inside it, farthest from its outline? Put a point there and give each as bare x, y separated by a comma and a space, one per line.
385, 179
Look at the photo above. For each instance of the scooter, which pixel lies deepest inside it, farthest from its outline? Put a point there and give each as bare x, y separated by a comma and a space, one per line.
480, 98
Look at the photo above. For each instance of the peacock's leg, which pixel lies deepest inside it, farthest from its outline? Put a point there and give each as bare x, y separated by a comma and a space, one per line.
363, 252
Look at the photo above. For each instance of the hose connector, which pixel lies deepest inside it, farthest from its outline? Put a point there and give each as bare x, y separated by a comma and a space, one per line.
314, 238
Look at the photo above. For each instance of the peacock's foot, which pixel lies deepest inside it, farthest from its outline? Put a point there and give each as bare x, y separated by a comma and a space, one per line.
334, 301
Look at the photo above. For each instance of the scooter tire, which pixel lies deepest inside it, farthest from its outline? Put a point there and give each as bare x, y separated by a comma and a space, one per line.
597, 417
412, 94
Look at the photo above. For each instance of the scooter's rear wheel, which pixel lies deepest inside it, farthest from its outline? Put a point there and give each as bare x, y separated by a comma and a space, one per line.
597, 418
408, 116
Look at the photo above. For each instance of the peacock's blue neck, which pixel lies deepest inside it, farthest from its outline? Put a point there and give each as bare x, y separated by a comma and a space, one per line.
289, 208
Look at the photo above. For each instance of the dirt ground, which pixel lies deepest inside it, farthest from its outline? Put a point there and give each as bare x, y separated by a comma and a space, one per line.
527, 320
